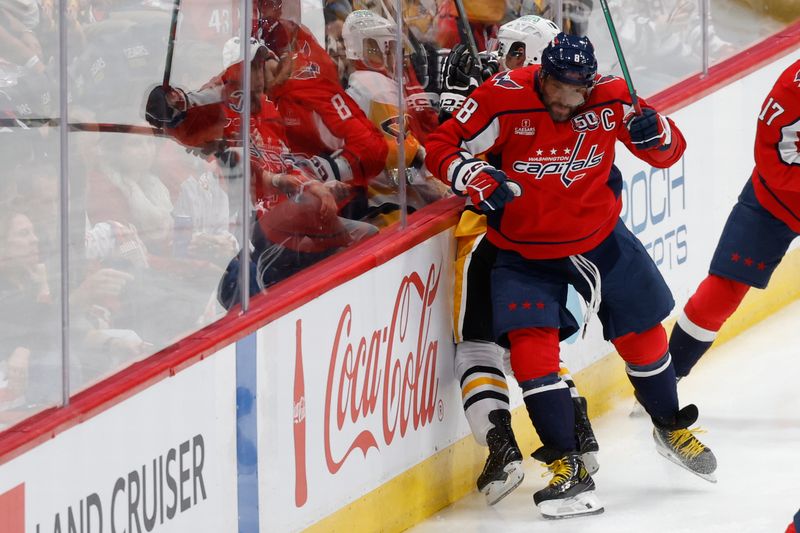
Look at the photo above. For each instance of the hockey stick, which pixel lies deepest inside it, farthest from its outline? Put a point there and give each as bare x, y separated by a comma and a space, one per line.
623, 65
105, 127
173, 28
99, 127
466, 31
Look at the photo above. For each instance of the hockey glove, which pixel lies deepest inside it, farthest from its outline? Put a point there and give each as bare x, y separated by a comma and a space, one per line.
165, 108
327, 167
490, 64
324, 168
460, 76
460, 73
487, 187
649, 130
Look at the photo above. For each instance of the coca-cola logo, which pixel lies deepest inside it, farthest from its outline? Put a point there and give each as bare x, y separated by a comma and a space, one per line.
389, 373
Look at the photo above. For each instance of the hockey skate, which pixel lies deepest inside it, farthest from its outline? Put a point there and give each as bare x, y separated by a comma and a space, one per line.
587, 443
570, 492
502, 472
678, 444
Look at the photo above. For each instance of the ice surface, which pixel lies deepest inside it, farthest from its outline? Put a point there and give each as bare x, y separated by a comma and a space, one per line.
747, 393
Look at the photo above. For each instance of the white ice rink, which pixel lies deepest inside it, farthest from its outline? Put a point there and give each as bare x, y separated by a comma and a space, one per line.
747, 392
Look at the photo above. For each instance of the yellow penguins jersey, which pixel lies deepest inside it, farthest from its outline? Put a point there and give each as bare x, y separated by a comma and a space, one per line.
377, 95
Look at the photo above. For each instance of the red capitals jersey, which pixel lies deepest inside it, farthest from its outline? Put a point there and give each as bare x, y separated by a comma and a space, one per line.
568, 205
207, 125
321, 118
776, 177
268, 152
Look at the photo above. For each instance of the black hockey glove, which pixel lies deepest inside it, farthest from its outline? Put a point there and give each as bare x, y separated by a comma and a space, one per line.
649, 130
460, 76
460, 72
490, 64
159, 112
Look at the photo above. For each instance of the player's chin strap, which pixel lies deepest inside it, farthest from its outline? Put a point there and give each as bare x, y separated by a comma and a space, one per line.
591, 274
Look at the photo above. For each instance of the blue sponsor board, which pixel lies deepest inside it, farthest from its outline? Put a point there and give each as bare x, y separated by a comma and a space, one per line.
654, 208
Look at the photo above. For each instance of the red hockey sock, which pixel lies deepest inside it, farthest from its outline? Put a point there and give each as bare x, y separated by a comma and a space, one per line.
534, 352
714, 301
640, 349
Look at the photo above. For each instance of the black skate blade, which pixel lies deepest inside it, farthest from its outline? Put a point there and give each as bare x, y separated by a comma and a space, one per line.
711, 478
497, 490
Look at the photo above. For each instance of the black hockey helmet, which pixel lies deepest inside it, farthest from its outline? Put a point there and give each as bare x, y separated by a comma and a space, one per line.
570, 59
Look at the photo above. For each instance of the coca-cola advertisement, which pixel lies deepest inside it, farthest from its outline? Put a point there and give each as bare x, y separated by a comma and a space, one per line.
361, 392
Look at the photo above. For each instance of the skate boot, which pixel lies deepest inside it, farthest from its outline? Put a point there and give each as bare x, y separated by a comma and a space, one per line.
678, 444
587, 443
502, 472
570, 492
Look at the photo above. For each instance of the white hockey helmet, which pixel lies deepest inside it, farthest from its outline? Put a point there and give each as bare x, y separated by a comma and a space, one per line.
535, 32
232, 51
363, 24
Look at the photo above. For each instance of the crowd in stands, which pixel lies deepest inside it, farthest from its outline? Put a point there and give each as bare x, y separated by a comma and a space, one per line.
156, 205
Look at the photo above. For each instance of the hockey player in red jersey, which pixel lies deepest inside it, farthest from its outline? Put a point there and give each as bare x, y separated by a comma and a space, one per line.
552, 198
296, 213
760, 227
480, 364
322, 121
322, 124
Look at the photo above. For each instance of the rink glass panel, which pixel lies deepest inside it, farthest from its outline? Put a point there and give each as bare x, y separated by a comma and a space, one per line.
154, 220
30, 226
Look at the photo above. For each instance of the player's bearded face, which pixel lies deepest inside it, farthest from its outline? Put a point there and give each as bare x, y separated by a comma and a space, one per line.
562, 99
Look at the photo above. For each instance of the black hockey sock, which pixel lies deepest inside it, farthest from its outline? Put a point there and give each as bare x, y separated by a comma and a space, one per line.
686, 350
550, 407
656, 389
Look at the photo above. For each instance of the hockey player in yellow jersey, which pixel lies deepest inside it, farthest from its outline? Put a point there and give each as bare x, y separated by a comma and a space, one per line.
370, 45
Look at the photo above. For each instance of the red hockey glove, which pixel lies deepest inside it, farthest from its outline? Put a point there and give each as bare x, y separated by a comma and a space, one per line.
487, 187
649, 130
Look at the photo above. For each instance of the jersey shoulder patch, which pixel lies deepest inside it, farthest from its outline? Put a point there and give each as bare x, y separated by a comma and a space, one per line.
504, 81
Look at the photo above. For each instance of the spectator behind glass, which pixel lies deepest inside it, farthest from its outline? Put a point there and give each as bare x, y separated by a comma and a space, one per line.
29, 322
483, 16
123, 188
202, 206
25, 80
662, 40
335, 13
